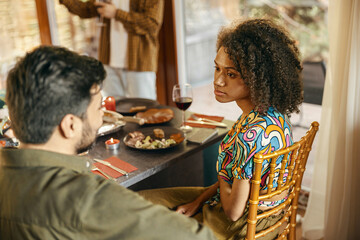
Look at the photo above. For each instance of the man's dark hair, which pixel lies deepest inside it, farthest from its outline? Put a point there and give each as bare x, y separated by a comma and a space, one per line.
47, 84
268, 60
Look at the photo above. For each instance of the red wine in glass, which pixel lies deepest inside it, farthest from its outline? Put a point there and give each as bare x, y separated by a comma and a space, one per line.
183, 103
182, 96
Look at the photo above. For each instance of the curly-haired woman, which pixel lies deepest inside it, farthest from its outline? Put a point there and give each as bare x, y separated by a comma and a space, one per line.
257, 65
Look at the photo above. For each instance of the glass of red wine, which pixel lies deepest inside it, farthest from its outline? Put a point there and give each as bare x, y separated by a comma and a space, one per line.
182, 96
100, 22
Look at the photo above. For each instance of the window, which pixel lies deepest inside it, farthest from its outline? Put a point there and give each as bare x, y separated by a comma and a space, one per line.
305, 20
203, 18
19, 32
75, 33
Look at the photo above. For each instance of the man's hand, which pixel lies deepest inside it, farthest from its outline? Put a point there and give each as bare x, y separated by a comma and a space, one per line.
188, 209
106, 10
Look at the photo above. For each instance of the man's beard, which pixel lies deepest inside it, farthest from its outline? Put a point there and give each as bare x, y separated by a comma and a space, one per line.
87, 138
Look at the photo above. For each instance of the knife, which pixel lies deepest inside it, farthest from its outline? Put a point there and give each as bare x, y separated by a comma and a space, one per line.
219, 124
112, 166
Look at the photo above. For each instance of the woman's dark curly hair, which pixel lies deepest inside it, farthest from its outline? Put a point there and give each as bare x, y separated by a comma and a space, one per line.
268, 61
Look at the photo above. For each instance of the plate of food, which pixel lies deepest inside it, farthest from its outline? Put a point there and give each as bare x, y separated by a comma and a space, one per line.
131, 106
113, 122
154, 138
156, 116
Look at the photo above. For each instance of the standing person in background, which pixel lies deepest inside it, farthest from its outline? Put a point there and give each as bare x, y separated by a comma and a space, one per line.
128, 42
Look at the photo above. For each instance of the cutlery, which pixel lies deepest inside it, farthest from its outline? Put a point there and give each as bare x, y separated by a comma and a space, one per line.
94, 168
112, 166
217, 124
203, 119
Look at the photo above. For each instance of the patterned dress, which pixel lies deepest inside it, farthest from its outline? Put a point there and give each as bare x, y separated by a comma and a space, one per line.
255, 134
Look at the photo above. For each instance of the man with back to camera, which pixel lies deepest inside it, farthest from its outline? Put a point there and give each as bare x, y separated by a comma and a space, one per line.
47, 192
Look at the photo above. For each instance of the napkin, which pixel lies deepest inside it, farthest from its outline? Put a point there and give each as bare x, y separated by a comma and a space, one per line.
117, 163
215, 118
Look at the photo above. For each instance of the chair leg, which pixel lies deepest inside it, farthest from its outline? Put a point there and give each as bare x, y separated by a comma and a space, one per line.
292, 233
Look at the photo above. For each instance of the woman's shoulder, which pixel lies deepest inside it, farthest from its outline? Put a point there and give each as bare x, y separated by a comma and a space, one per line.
262, 123
272, 117
276, 129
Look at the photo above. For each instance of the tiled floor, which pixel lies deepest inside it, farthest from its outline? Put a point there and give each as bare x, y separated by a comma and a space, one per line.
204, 102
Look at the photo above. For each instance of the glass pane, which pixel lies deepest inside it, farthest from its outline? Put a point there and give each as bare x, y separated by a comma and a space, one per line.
19, 32
305, 20
77, 34
203, 18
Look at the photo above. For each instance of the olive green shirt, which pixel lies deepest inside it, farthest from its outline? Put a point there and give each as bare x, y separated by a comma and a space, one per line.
46, 195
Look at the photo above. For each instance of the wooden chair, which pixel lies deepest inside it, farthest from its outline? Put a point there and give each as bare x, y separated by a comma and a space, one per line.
298, 153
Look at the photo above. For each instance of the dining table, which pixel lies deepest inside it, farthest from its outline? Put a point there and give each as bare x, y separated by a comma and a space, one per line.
185, 164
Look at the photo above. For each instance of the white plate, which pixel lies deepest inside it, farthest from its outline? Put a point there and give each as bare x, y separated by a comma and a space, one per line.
108, 128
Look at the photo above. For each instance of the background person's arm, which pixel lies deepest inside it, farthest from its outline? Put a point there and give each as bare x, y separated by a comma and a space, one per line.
80, 8
145, 23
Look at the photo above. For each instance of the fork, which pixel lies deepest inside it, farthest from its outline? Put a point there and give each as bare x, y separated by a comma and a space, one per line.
94, 168
203, 119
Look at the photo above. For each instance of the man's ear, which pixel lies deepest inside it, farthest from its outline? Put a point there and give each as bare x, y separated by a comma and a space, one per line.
70, 126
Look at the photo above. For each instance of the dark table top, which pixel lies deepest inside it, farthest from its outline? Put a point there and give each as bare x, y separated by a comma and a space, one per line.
150, 162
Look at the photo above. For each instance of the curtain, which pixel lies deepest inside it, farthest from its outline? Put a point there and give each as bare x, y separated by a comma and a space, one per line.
333, 211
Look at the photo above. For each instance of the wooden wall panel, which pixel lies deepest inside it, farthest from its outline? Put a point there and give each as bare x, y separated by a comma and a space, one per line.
44, 25
167, 74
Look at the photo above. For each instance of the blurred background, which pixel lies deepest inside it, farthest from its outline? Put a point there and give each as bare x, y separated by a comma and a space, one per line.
26, 24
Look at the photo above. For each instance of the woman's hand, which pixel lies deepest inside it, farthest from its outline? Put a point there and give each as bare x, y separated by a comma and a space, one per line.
106, 10
189, 209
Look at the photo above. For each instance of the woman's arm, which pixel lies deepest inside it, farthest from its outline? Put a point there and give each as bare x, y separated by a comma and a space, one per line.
191, 208
234, 197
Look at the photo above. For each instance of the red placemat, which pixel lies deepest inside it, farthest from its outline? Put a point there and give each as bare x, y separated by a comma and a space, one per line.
117, 163
215, 118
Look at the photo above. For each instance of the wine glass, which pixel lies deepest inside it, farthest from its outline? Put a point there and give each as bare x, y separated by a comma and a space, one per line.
100, 22
182, 96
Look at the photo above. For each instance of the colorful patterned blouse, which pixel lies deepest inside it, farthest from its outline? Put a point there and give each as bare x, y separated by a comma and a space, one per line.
255, 134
